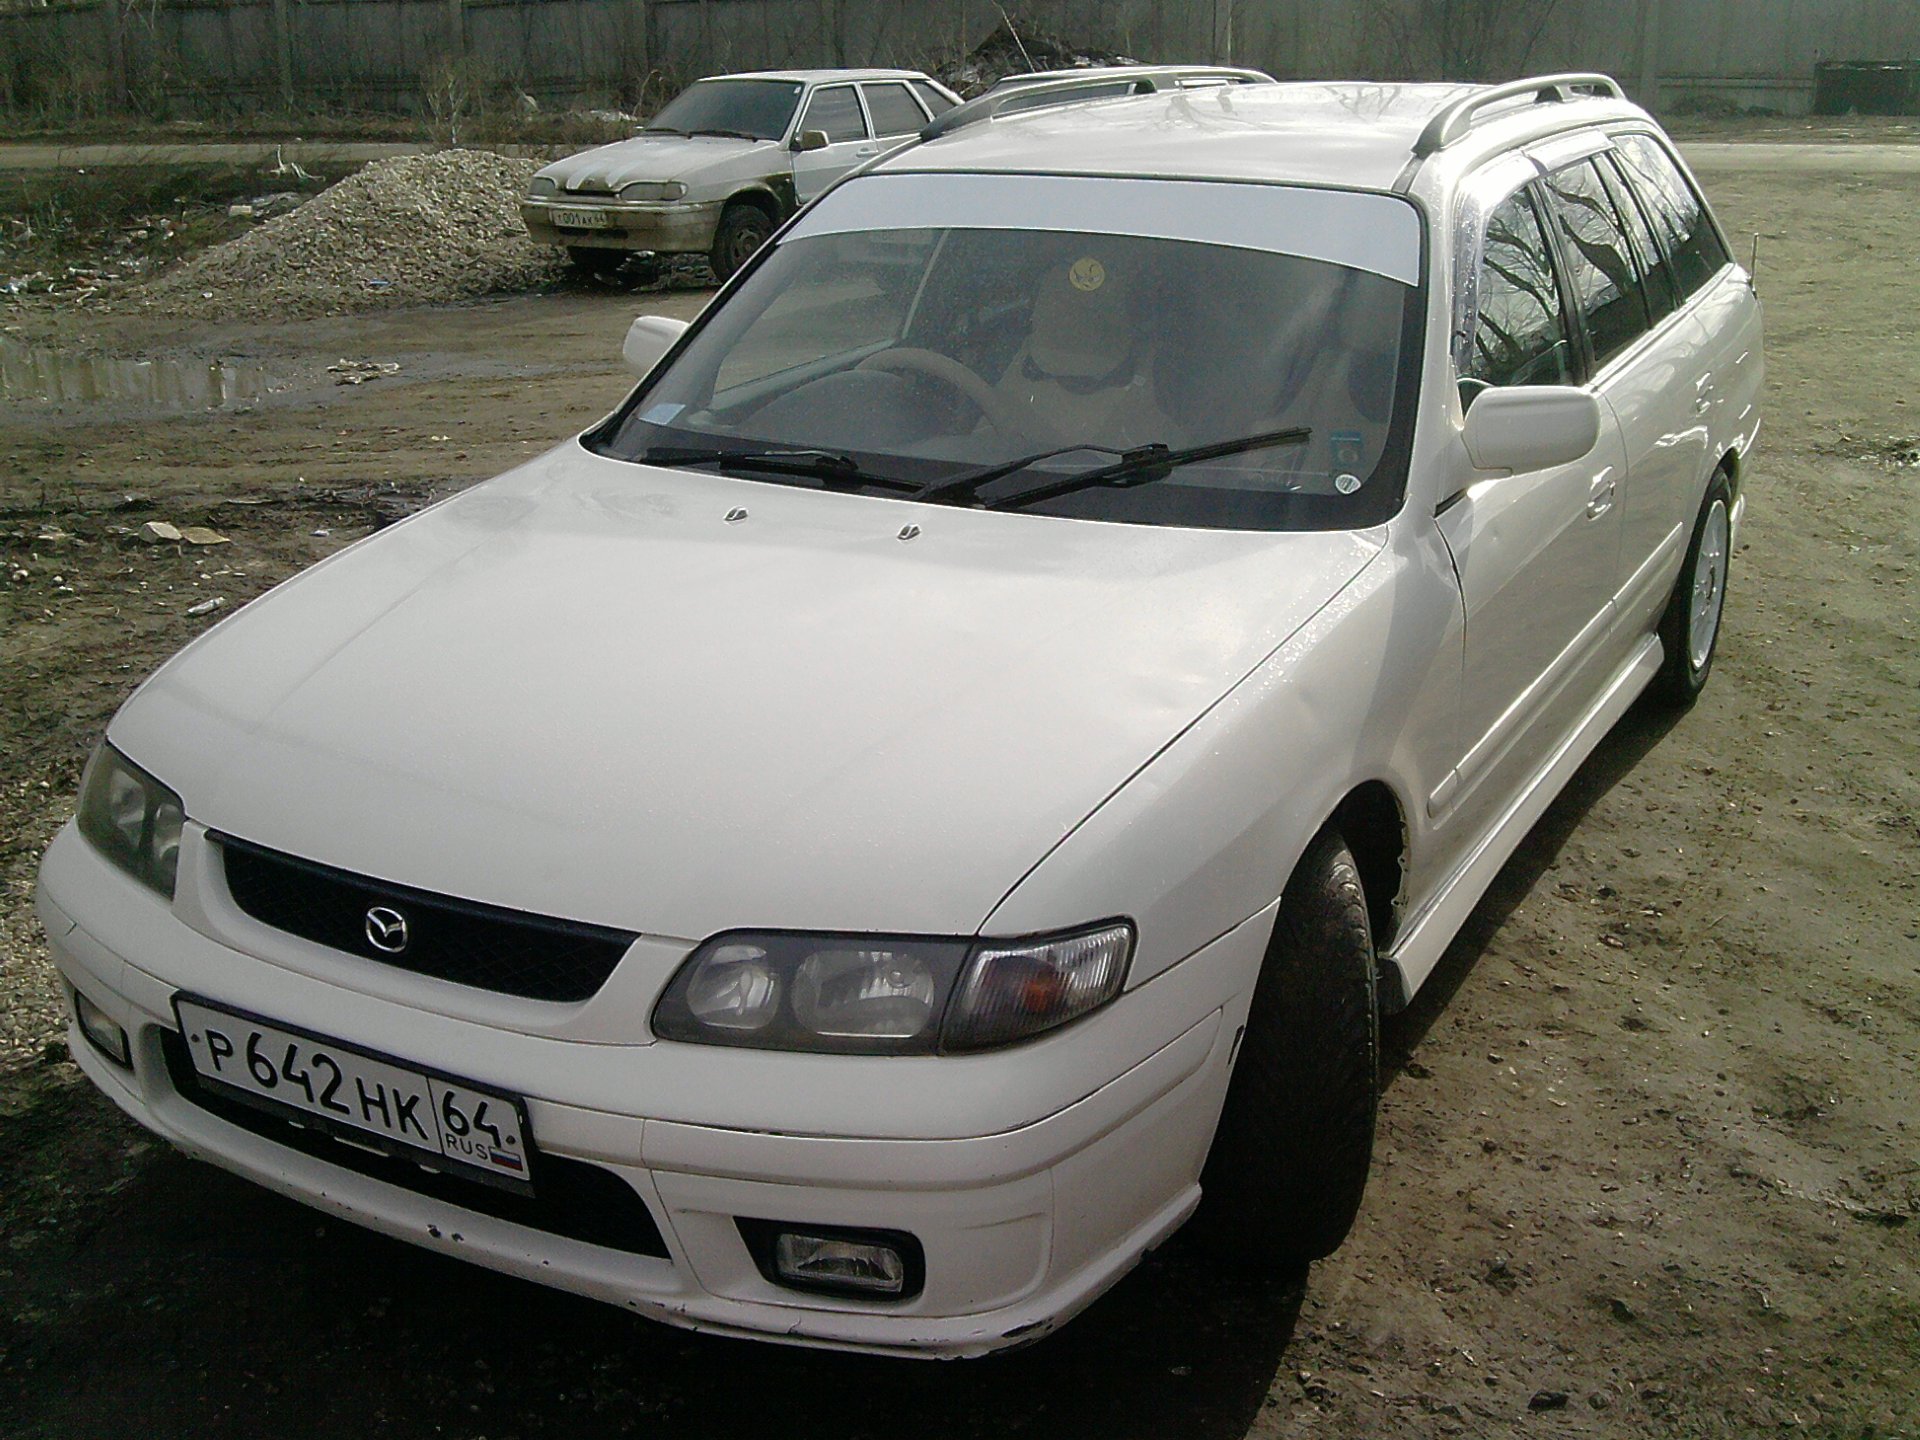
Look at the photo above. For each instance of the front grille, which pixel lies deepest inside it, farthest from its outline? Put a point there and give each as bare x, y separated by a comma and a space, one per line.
485, 946
571, 1198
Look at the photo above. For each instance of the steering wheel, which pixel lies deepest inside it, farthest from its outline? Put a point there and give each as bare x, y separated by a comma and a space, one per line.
931, 365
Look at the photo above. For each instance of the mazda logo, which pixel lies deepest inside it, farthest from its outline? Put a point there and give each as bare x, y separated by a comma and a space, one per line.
386, 930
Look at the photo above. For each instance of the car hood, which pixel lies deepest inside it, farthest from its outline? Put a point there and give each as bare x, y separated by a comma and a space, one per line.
676, 702
690, 158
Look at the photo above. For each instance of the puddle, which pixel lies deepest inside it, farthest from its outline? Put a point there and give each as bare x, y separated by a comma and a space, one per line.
34, 377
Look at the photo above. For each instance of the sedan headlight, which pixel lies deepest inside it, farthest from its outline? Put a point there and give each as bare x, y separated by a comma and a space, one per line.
542, 187
888, 995
131, 818
653, 190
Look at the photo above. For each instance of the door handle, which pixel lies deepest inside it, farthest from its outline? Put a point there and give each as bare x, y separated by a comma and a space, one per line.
1600, 495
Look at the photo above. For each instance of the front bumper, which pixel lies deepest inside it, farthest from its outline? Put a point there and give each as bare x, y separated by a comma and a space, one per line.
679, 229
1021, 1226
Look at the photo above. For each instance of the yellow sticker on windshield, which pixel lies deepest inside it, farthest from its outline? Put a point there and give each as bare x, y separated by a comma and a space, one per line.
1087, 274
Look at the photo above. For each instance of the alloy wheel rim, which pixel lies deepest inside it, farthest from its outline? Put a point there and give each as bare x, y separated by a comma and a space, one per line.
1709, 587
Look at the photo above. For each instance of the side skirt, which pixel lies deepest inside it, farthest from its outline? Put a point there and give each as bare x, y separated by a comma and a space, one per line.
1405, 968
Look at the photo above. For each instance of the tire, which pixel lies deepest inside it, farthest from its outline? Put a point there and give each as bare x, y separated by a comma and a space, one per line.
594, 261
1289, 1162
1690, 629
744, 228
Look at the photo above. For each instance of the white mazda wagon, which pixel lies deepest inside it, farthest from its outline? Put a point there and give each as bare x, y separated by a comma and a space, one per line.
938, 790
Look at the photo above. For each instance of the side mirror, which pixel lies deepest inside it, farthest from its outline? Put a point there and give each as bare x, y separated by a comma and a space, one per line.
648, 338
810, 140
1531, 427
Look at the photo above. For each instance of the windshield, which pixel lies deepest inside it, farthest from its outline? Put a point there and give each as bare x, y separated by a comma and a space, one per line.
759, 109
988, 364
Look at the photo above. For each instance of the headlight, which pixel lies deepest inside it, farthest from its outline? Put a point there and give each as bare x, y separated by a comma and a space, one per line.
653, 190
888, 995
542, 187
131, 818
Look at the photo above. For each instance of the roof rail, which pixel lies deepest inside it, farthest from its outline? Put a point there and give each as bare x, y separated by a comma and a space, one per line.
1457, 119
1021, 93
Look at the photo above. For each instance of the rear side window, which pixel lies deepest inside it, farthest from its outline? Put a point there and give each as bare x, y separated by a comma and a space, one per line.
930, 96
893, 109
1693, 245
1520, 337
836, 111
1605, 281
1657, 274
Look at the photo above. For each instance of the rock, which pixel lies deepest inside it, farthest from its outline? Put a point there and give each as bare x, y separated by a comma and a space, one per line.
201, 535
358, 372
1548, 1400
207, 607
158, 532
1623, 1311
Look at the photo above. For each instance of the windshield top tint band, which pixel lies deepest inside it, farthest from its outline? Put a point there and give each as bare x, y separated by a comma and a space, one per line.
1376, 233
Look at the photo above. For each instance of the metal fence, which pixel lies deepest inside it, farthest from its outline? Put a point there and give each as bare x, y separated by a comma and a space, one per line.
222, 59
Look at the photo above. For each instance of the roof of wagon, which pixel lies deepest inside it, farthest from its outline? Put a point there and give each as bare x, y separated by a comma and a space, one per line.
1353, 135
805, 76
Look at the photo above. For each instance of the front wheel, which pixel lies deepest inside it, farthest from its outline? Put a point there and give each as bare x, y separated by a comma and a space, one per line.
1690, 630
743, 230
1289, 1162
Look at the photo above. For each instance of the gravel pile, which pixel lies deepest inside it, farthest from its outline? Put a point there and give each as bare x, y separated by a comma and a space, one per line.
413, 230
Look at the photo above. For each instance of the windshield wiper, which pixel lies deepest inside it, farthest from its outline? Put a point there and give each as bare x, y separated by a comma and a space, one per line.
660, 130
1139, 466
966, 486
734, 134
830, 467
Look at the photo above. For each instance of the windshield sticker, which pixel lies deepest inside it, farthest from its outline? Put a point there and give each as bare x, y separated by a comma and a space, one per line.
661, 414
1349, 448
1087, 274
1346, 484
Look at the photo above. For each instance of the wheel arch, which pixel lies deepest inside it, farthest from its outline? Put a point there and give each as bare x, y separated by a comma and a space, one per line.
1733, 466
1373, 823
761, 198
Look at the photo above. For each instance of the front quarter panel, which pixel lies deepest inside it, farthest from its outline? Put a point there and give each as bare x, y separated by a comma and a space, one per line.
1206, 833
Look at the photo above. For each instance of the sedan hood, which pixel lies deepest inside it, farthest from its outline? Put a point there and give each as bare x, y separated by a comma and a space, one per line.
689, 158
675, 702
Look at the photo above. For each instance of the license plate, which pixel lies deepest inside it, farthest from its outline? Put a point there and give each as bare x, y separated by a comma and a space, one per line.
581, 219
362, 1098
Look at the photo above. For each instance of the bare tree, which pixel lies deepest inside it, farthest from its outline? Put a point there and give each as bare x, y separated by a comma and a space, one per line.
1458, 39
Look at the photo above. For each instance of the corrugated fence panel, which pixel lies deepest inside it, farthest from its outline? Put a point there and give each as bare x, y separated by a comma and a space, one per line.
369, 51
58, 59
224, 53
217, 57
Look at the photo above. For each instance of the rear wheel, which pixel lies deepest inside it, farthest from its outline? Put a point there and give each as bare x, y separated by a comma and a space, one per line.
743, 230
1690, 630
1289, 1162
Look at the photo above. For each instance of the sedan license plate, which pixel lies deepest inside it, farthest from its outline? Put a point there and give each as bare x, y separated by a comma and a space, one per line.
387, 1105
582, 219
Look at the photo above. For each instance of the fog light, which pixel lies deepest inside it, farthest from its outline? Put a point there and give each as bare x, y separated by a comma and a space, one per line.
849, 1264
875, 1264
108, 1038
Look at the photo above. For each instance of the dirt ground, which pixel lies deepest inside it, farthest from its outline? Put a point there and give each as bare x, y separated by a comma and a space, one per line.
1649, 1155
